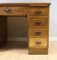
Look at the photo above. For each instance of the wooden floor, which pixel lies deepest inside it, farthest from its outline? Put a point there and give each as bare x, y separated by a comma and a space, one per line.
13, 51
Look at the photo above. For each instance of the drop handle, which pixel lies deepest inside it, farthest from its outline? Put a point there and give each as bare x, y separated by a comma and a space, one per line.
38, 33
38, 42
8, 10
38, 23
38, 12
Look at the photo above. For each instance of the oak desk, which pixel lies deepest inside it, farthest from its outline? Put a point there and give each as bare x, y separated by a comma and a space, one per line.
38, 24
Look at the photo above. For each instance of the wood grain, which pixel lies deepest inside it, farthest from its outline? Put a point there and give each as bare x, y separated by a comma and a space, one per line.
38, 33
38, 23
13, 11
33, 43
36, 12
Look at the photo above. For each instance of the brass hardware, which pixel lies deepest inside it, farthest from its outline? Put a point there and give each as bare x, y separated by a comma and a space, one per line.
38, 13
8, 10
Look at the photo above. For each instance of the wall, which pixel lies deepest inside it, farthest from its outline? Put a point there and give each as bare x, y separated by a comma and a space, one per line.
53, 20
26, 1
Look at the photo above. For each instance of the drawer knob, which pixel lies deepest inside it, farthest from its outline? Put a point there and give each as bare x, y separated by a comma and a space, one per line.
7, 10
38, 23
38, 42
37, 33
38, 13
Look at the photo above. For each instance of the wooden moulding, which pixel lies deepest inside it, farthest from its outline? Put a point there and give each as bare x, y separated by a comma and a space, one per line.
24, 4
40, 51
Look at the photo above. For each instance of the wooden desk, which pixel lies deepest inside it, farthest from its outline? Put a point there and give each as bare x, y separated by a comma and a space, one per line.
38, 24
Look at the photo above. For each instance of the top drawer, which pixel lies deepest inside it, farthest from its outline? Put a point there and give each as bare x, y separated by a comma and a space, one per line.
38, 11
13, 10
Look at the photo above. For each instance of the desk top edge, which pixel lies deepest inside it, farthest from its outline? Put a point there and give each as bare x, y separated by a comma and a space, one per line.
25, 4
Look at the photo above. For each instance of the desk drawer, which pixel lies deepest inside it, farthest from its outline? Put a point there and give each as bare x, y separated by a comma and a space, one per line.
38, 43
38, 51
38, 23
38, 33
38, 11
13, 10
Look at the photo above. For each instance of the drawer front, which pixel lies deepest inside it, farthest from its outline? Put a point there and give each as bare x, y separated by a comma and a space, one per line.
38, 43
38, 51
38, 33
13, 10
38, 11
38, 23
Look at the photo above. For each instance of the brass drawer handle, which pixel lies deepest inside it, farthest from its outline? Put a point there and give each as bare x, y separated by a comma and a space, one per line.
8, 10
38, 23
38, 42
38, 13
37, 33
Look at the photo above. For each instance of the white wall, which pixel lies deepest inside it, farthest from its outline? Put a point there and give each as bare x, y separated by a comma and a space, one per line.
16, 1
53, 20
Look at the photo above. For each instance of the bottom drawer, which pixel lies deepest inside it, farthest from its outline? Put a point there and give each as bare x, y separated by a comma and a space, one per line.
38, 43
38, 51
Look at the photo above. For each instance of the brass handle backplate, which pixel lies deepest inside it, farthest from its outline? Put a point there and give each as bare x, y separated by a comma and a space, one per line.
38, 42
38, 33
38, 23
38, 13
8, 10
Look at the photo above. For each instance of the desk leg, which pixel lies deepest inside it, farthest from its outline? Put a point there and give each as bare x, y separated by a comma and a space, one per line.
3, 30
